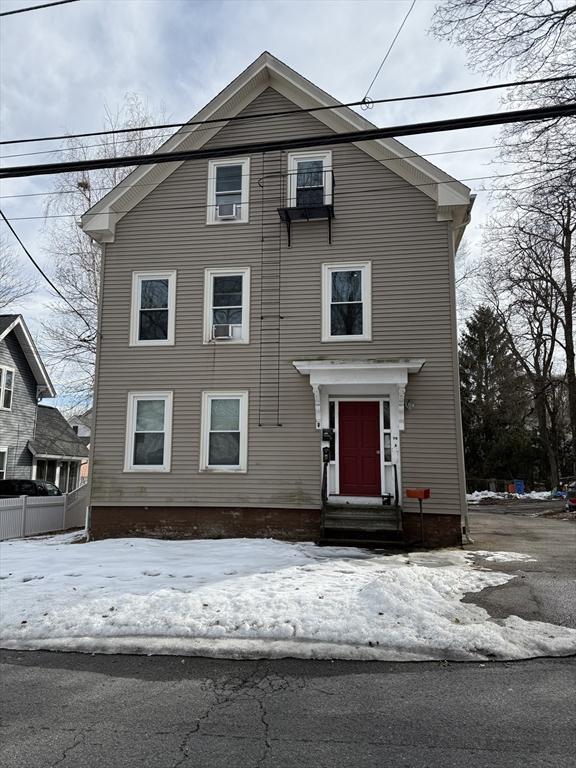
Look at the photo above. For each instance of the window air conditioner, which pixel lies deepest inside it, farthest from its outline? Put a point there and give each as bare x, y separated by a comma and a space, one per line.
225, 331
227, 211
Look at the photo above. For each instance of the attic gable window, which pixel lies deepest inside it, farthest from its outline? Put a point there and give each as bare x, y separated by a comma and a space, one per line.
6, 388
309, 179
153, 308
228, 190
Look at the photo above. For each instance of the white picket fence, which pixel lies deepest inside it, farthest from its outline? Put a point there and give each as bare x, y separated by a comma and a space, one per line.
30, 515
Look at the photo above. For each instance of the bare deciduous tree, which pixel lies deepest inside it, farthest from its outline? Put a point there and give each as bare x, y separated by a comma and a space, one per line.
14, 285
532, 39
71, 340
529, 280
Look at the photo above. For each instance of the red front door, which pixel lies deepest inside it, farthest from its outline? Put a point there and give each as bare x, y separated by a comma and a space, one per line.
359, 451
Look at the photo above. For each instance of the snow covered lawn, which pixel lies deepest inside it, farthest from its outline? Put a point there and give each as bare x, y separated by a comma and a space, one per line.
257, 598
477, 496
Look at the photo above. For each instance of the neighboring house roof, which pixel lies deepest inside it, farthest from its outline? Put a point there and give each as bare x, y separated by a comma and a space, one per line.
54, 437
82, 418
9, 323
452, 197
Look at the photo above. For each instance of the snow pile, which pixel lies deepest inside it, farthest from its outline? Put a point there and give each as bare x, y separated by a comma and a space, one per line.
257, 598
477, 496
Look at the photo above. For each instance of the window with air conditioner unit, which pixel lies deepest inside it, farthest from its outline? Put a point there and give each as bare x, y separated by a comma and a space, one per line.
226, 306
228, 190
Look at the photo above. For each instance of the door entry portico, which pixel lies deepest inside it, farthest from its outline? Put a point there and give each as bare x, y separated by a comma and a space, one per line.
359, 448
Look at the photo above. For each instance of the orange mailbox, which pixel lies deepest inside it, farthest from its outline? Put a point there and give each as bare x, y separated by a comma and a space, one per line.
418, 493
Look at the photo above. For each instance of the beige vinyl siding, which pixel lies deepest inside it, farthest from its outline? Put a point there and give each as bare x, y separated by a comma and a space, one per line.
379, 218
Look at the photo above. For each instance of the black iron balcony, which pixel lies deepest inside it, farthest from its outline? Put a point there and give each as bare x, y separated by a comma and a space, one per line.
310, 197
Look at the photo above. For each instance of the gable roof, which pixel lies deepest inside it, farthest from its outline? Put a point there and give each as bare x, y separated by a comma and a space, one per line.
453, 198
55, 437
9, 323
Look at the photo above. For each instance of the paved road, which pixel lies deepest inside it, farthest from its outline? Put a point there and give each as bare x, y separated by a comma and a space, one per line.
75, 711
544, 590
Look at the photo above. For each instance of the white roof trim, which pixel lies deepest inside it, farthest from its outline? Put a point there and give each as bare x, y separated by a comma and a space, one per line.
268, 71
45, 386
358, 371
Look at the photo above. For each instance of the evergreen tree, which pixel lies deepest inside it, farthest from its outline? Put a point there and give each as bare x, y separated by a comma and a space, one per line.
496, 403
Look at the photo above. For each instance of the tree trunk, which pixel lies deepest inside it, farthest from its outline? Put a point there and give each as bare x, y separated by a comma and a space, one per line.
569, 328
544, 432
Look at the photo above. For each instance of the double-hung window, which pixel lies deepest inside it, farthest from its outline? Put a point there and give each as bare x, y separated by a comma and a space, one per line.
227, 305
153, 308
6, 388
346, 302
224, 431
228, 190
148, 432
3, 462
309, 179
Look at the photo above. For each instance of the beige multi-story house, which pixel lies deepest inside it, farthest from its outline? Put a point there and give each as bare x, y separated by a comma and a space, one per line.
277, 351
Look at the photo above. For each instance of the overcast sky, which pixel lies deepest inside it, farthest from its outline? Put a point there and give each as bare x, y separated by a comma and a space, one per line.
60, 65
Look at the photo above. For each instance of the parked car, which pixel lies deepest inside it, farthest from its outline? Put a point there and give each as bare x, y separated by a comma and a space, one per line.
25, 487
571, 497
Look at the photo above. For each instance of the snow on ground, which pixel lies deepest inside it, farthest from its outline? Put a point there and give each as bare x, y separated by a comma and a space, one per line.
257, 598
503, 557
477, 496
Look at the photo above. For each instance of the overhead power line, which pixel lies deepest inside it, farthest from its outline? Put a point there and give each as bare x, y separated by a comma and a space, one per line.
411, 129
262, 115
39, 268
273, 199
388, 52
36, 7
131, 186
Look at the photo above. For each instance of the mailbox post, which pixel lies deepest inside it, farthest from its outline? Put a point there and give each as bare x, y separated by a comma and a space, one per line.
420, 494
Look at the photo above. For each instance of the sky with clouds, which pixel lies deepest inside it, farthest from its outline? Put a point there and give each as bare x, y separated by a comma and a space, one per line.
59, 66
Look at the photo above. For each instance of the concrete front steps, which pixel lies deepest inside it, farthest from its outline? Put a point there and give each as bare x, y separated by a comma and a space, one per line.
362, 526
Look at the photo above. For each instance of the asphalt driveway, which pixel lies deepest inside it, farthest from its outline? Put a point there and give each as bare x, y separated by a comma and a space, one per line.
544, 590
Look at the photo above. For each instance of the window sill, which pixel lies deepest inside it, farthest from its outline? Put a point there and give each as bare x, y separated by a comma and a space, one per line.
341, 339
224, 470
151, 343
146, 469
228, 222
226, 342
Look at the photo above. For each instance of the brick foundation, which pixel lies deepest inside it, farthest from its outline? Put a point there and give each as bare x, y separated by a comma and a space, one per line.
439, 530
204, 522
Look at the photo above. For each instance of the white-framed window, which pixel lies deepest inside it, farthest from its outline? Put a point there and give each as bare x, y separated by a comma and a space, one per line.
228, 190
148, 432
227, 305
6, 387
224, 444
3, 462
346, 302
309, 179
153, 308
